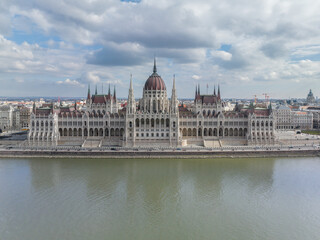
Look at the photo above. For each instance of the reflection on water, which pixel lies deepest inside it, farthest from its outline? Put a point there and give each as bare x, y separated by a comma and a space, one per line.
159, 198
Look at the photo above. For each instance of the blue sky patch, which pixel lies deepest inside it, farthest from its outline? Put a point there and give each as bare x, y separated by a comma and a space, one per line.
225, 47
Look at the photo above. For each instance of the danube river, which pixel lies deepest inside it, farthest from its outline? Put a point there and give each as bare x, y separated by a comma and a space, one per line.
44, 199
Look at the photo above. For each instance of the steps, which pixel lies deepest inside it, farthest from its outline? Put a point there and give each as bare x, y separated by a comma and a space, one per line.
212, 143
92, 143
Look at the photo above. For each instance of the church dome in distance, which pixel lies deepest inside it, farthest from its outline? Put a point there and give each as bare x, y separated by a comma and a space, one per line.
155, 82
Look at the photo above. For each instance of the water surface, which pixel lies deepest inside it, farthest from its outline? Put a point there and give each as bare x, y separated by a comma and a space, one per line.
160, 199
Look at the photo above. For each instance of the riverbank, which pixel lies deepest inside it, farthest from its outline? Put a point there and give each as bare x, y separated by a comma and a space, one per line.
214, 153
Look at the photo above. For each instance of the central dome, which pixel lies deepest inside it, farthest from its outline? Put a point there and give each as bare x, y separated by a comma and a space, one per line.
154, 82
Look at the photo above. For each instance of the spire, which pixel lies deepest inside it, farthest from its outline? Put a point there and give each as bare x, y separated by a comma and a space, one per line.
196, 92
52, 107
114, 92
198, 88
174, 106
96, 92
174, 82
89, 96
109, 92
131, 104
154, 66
219, 96
270, 106
214, 91
34, 107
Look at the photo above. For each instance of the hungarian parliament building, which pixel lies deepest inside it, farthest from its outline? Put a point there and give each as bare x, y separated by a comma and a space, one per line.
155, 120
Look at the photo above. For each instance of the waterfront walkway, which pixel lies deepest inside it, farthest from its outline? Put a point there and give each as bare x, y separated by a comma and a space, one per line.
232, 151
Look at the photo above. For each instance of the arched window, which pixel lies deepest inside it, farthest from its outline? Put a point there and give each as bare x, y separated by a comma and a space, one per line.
167, 122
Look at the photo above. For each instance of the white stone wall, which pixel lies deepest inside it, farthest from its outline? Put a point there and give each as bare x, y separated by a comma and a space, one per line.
6, 118
43, 130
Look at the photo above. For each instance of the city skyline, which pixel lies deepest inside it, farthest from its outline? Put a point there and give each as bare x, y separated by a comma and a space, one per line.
57, 49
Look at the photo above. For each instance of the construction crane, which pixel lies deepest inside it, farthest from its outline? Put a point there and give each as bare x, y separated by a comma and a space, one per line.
266, 96
255, 99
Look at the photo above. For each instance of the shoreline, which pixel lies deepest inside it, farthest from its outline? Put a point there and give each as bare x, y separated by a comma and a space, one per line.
159, 154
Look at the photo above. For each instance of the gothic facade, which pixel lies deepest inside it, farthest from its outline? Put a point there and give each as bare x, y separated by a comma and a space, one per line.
154, 121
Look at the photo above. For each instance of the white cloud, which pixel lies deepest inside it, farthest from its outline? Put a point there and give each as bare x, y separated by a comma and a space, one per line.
226, 56
196, 77
70, 82
91, 77
105, 41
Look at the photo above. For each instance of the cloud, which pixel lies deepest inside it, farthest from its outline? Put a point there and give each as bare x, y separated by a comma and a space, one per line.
196, 77
225, 56
124, 55
70, 83
91, 77
106, 40
274, 50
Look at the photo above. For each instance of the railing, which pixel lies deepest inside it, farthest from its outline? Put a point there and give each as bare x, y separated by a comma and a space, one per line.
191, 148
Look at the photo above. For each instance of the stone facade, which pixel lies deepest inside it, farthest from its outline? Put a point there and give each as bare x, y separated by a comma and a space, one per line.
153, 121
24, 117
286, 119
6, 118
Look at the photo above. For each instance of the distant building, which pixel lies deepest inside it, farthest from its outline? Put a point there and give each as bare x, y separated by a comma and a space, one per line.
25, 113
16, 119
302, 120
6, 118
283, 116
310, 98
286, 119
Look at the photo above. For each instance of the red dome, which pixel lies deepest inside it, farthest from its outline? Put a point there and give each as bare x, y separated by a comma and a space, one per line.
155, 82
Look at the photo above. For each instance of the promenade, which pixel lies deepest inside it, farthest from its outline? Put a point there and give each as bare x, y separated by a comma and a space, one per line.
187, 152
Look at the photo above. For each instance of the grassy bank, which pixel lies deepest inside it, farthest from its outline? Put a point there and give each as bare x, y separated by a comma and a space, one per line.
311, 132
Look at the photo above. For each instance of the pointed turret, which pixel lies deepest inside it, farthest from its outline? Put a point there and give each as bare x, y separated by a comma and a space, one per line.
109, 92
96, 92
34, 107
214, 90
114, 93
198, 88
52, 107
174, 100
131, 104
88, 96
174, 82
219, 96
196, 93
270, 108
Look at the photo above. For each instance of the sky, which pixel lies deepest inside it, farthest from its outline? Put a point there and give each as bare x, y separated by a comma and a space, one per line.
57, 48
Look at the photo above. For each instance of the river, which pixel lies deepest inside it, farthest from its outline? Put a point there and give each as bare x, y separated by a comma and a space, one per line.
66, 199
